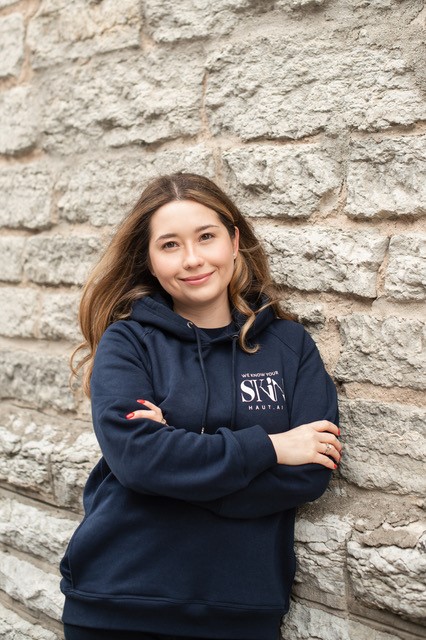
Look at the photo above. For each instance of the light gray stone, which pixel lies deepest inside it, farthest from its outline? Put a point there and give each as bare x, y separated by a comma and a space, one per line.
293, 181
6, 3
60, 260
13, 627
49, 457
62, 31
101, 191
11, 258
34, 530
25, 196
385, 446
168, 21
18, 115
305, 622
58, 317
390, 578
34, 588
18, 312
321, 259
385, 351
277, 88
116, 101
387, 178
405, 277
37, 379
321, 557
11, 44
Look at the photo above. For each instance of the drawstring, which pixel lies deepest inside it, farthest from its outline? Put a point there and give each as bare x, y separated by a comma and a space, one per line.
234, 390
206, 384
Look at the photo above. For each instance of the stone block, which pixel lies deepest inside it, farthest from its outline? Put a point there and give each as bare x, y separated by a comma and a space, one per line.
293, 181
275, 87
405, 277
385, 446
18, 115
116, 101
305, 622
25, 196
102, 191
13, 627
168, 21
385, 351
62, 31
36, 379
18, 312
58, 317
387, 178
33, 530
11, 44
34, 588
322, 259
390, 578
6, 3
12, 258
321, 557
60, 260
49, 457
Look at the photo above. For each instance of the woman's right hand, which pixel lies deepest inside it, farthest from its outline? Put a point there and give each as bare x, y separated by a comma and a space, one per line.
313, 442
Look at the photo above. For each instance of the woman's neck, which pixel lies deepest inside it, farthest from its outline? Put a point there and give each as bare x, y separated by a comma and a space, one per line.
208, 317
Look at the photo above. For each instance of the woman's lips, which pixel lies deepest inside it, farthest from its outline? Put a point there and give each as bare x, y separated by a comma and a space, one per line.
200, 279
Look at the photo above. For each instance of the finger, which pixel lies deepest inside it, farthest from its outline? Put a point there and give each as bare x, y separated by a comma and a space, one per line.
149, 404
326, 425
330, 450
151, 415
325, 461
329, 438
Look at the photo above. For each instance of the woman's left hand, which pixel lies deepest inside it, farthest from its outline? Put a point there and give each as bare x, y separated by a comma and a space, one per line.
152, 413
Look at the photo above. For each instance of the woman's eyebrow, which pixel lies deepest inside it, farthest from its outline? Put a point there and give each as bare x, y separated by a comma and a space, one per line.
165, 236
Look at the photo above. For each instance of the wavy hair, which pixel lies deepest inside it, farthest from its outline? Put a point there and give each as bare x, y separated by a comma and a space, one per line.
122, 274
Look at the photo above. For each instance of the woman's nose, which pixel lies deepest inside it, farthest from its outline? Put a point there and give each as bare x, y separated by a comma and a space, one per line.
192, 258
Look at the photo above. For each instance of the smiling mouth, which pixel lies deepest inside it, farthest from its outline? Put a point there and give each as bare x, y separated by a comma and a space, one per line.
197, 279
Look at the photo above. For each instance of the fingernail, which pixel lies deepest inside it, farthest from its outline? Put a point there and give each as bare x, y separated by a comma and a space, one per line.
335, 466
338, 432
130, 415
141, 401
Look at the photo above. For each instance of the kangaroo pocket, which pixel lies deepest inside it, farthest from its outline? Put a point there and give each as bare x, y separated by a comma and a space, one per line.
152, 547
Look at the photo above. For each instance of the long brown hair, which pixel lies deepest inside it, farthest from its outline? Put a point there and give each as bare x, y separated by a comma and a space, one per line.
122, 275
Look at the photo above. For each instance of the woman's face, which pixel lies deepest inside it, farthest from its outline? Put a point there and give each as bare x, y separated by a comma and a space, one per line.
192, 255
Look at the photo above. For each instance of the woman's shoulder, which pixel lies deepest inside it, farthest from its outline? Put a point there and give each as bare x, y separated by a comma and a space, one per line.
292, 334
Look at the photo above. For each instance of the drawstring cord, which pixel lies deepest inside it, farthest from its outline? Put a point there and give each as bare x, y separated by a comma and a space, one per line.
234, 389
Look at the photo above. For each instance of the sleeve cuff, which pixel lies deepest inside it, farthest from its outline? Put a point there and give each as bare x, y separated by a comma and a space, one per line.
257, 449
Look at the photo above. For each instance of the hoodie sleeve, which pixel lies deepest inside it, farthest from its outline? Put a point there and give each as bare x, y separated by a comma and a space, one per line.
282, 486
165, 460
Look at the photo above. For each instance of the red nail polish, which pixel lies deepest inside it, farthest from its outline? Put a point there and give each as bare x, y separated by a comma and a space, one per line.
130, 415
335, 466
338, 433
141, 401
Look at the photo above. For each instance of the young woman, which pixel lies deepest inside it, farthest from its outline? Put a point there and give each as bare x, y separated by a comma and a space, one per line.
215, 417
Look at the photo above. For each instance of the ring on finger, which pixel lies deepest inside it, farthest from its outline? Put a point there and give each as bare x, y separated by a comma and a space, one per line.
327, 448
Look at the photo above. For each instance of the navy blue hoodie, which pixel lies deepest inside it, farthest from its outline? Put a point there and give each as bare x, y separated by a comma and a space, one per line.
188, 527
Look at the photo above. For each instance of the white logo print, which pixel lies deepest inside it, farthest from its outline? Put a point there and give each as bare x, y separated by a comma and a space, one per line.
263, 391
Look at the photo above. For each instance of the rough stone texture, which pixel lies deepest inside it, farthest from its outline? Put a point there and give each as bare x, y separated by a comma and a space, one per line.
406, 272
115, 101
18, 115
321, 555
63, 31
388, 352
13, 627
385, 446
46, 456
34, 531
387, 177
283, 181
58, 317
102, 191
60, 260
6, 3
18, 312
38, 592
389, 577
36, 379
11, 44
319, 259
11, 252
25, 197
309, 623
272, 87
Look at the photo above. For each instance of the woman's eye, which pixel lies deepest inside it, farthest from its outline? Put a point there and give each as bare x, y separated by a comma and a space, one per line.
206, 236
169, 245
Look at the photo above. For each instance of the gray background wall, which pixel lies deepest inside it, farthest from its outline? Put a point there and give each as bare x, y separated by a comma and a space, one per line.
311, 114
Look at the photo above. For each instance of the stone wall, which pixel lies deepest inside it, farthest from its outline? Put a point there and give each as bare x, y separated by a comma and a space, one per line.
312, 114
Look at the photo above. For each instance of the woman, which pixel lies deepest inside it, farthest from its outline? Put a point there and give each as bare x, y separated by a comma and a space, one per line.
215, 418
